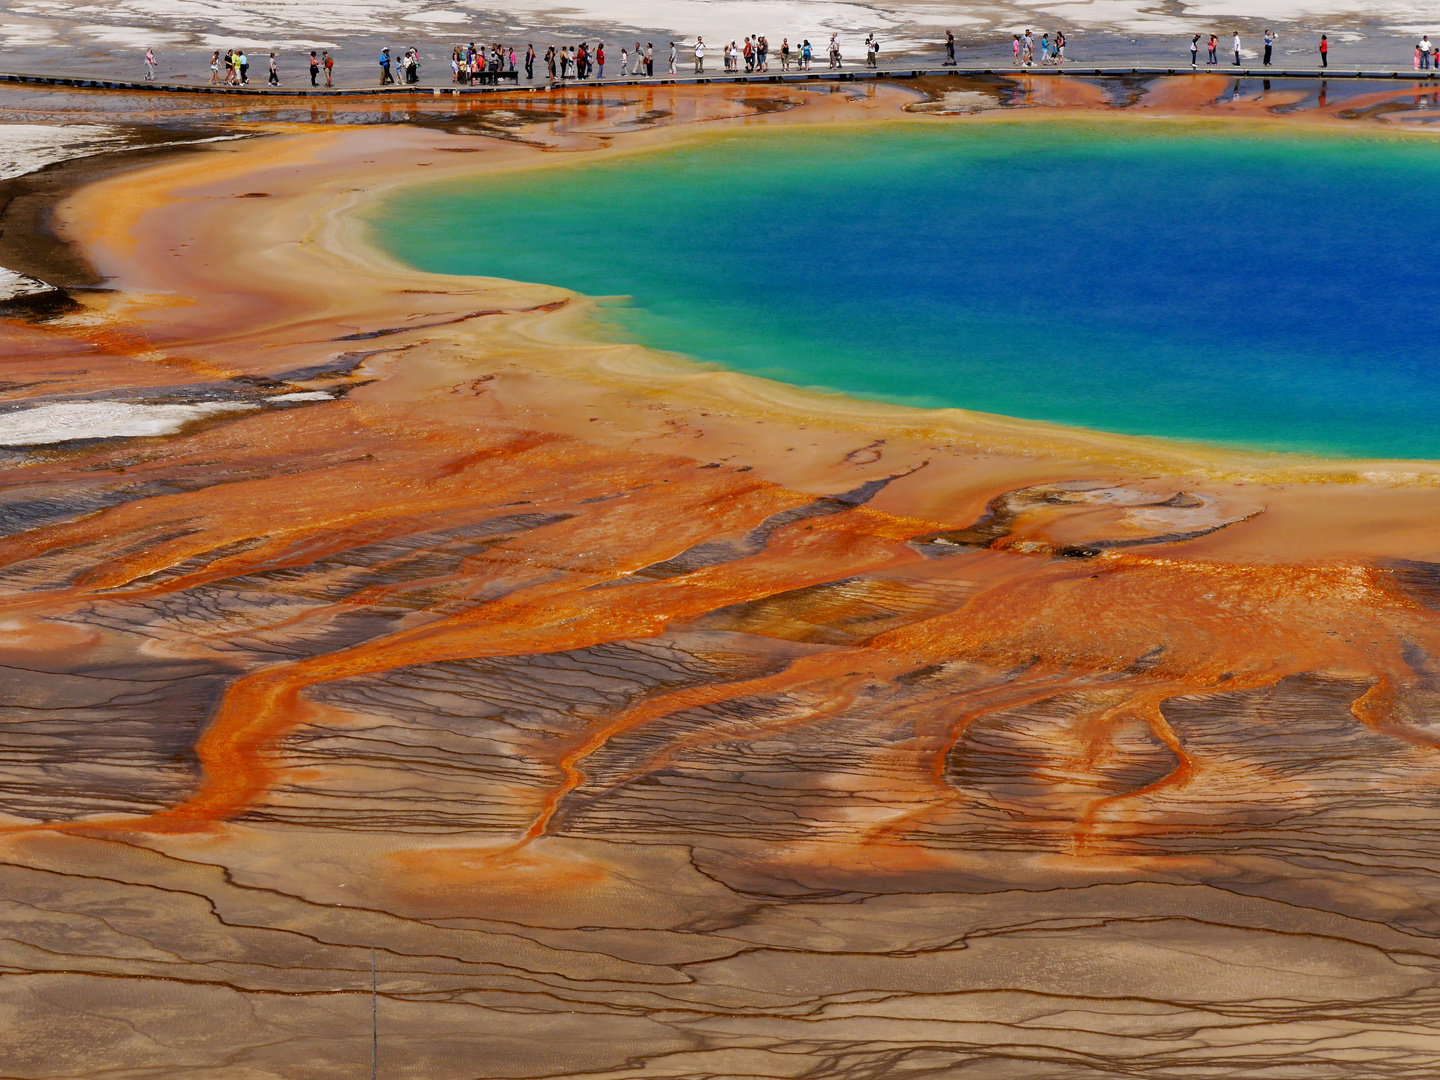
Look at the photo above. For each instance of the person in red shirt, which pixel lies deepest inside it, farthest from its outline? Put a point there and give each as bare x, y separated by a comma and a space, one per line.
1324, 51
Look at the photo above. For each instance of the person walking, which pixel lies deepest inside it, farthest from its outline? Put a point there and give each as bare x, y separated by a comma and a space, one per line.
530, 62
949, 50
699, 56
274, 78
1269, 45
1060, 47
149, 64
1324, 51
1015, 49
243, 63
672, 58
600, 60
314, 69
807, 53
1237, 49
328, 63
215, 67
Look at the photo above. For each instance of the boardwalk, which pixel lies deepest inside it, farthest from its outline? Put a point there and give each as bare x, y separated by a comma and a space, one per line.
899, 71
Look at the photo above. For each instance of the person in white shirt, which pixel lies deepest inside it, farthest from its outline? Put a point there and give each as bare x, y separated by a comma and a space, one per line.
1237, 48
624, 59
1425, 51
699, 56
672, 58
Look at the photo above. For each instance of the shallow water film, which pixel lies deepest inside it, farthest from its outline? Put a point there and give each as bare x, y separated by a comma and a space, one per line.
415, 669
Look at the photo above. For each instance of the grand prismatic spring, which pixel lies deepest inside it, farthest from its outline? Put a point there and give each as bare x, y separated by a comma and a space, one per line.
935, 580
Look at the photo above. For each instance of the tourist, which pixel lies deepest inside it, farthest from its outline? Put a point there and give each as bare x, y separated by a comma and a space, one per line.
314, 69
872, 52
149, 64
764, 49
949, 50
1060, 47
835, 51
1237, 48
785, 54
274, 78
699, 56
386, 79
242, 65
600, 60
530, 62
329, 65
1324, 51
1213, 44
1015, 49
649, 60
1044, 50
1027, 48
672, 58
1269, 45
749, 56
1195, 52
1425, 51
215, 67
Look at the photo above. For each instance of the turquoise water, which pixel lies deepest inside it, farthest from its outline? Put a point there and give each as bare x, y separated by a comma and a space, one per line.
1269, 290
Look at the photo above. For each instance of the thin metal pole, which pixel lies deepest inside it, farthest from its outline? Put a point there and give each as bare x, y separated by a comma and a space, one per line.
374, 1018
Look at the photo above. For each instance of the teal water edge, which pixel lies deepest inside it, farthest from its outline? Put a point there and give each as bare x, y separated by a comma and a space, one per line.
1196, 281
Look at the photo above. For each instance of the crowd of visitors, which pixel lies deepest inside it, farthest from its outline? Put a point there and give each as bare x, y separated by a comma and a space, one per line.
1268, 40
1023, 48
471, 64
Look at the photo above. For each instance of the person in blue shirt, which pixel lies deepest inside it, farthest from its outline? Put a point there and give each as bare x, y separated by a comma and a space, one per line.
386, 79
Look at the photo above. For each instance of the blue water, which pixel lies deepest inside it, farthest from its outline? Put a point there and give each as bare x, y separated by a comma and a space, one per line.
1258, 288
